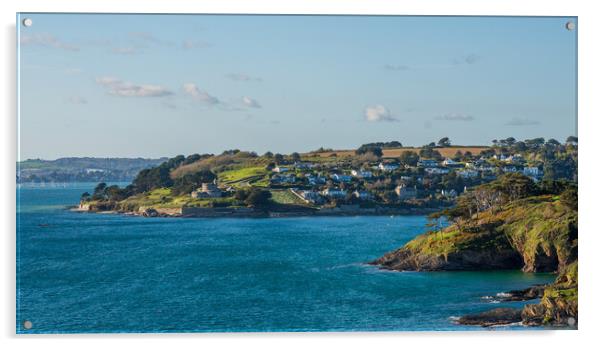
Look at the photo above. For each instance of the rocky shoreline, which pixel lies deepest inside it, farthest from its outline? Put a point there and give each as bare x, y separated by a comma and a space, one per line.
245, 212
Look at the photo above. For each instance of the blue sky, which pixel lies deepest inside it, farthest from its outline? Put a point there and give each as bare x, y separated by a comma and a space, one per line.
162, 85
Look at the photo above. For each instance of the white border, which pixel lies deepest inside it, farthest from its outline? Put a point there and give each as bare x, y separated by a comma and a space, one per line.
589, 127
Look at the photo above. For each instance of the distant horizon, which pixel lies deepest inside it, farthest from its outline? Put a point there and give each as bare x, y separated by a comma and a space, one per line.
453, 145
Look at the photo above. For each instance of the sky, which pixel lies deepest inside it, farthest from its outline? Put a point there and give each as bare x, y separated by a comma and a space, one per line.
162, 85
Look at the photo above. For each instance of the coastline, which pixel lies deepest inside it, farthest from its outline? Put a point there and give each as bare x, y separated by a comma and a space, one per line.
184, 212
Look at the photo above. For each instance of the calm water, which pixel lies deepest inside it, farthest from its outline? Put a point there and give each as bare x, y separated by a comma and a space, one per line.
111, 273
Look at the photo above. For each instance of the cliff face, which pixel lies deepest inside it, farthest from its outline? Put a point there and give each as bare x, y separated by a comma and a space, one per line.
535, 234
559, 302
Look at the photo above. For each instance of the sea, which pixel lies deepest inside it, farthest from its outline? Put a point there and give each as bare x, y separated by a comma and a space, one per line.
112, 273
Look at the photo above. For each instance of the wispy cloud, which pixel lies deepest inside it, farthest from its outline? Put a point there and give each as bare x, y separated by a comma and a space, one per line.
118, 87
241, 77
46, 40
378, 113
456, 117
199, 95
521, 122
248, 102
77, 100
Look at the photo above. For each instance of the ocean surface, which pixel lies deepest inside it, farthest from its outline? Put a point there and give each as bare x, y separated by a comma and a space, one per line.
84, 272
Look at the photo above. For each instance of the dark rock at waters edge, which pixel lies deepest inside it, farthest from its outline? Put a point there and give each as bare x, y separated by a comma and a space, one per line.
498, 316
533, 292
407, 259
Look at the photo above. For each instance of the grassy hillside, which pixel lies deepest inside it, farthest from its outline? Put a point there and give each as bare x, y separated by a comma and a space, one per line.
536, 234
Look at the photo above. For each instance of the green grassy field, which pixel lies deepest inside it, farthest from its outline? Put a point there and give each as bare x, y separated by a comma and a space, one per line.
246, 176
286, 197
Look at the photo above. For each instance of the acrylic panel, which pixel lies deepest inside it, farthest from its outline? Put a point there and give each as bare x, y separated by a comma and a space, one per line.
282, 173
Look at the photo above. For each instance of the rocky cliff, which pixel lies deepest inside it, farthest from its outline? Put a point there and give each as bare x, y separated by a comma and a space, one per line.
535, 234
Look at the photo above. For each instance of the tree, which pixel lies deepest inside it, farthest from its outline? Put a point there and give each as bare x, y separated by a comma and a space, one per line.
428, 152
258, 197
192, 158
570, 198
409, 158
279, 158
444, 142
370, 148
268, 154
85, 196
295, 156
100, 188
189, 182
571, 140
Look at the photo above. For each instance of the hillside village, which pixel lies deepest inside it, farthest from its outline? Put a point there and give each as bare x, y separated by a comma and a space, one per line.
377, 175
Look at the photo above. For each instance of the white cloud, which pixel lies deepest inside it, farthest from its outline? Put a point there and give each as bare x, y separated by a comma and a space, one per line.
456, 117
115, 86
521, 122
199, 95
241, 77
46, 40
248, 102
378, 113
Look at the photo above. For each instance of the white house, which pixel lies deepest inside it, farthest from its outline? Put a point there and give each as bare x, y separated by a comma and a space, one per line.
334, 193
315, 180
427, 163
451, 163
404, 192
283, 178
388, 166
361, 173
363, 195
304, 165
515, 159
311, 196
341, 178
468, 173
501, 157
451, 194
436, 170
510, 168
531, 171
280, 169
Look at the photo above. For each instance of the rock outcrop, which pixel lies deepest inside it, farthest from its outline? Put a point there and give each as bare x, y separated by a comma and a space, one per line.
535, 234
498, 316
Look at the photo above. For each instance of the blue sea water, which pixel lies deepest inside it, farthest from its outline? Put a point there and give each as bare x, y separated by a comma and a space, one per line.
84, 272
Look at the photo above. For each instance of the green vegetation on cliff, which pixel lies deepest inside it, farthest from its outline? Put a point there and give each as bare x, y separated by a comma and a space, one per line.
510, 223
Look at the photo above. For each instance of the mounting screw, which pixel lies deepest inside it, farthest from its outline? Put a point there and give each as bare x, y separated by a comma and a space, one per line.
27, 325
570, 25
27, 22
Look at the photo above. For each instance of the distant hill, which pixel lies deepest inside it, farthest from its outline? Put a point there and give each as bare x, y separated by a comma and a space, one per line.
82, 169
